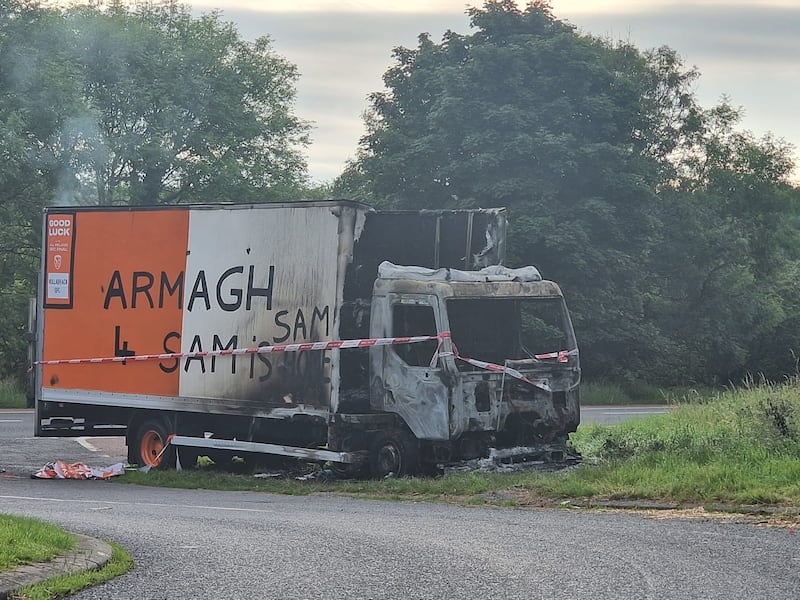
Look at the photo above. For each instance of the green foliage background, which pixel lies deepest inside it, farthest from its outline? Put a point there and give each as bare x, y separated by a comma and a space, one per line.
120, 103
673, 233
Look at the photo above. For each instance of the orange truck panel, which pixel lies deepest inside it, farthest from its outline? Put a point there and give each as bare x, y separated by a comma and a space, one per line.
116, 279
191, 280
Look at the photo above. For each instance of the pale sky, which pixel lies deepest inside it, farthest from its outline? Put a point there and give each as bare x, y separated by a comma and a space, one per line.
745, 49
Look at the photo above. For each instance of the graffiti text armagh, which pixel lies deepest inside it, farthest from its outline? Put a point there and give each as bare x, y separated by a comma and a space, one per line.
235, 288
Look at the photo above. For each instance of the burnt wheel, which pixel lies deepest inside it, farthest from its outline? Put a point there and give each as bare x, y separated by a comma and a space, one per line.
393, 453
348, 471
151, 445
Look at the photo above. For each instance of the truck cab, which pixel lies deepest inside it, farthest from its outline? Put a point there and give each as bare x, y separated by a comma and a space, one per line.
501, 374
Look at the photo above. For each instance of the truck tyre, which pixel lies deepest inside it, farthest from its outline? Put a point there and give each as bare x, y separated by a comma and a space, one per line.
393, 454
151, 445
349, 471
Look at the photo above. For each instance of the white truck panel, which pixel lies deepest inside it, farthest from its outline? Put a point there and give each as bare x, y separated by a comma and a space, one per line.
258, 278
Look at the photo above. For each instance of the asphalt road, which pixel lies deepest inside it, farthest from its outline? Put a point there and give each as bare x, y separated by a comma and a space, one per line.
203, 544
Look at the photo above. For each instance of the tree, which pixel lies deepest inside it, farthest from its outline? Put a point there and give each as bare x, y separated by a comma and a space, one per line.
178, 108
724, 268
528, 113
673, 234
102, 104
35, 91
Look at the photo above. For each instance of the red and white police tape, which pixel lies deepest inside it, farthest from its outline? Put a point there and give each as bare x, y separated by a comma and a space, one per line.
363, 343
481, 364
561, 356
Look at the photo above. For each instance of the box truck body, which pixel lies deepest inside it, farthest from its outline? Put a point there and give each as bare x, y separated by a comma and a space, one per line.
175, 321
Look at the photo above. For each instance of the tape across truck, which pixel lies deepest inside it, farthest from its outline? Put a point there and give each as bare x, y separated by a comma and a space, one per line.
363, 343
339, 344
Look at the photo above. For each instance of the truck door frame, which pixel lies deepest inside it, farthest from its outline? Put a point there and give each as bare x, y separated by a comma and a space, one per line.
419, 392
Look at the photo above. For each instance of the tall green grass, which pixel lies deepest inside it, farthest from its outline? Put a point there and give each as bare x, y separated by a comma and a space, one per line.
741, 447
11, 394
24, 541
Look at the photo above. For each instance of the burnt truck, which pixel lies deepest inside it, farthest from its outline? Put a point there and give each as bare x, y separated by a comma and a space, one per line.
381, 341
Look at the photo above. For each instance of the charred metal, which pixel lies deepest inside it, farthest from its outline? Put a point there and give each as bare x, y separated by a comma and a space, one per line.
497, 381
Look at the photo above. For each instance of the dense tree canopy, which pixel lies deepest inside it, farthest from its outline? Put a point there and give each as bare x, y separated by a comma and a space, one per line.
673, 233
122, 103
724, 267
667, 229
30, 101
178, 108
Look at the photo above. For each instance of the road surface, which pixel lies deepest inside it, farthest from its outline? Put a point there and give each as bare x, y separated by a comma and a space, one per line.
206, 544
613, 415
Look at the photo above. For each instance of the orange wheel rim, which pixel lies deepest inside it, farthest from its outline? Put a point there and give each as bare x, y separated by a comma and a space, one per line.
151, 448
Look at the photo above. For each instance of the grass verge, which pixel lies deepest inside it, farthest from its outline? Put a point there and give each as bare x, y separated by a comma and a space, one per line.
24, 541
743, 447
11, 394
600, 393
59, 587
740, 448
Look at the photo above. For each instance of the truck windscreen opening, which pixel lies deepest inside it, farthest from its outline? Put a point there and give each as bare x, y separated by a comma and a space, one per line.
500, 329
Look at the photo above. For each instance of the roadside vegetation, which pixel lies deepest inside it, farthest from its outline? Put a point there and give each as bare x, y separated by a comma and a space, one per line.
603, 393
24, 541
735, 448
740, 447
60, 587
11, 394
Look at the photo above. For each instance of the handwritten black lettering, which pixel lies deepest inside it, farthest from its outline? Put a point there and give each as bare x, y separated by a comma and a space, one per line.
115, 290
235, 292
171, 289
254, 291
139, 288
231, 345
300, 323
282, 338
317, 316
231, 293
263, 358
121, 350
197, 346
200, 290
170, 336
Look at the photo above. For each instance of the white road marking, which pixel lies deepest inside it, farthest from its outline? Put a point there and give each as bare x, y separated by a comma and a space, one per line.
653, 408
10, 420
632, 412
84, 441
139, 504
